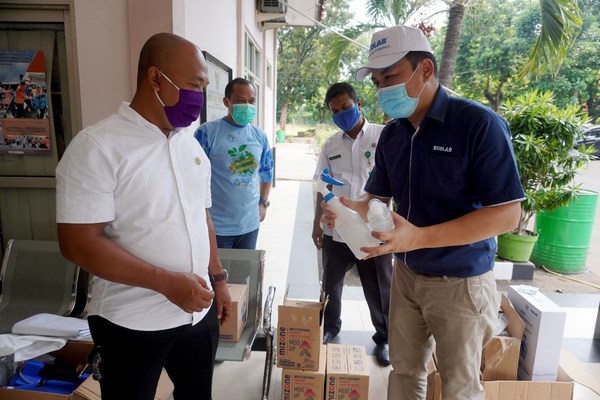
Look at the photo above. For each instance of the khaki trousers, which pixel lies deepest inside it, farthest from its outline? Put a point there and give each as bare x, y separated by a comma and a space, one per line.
456, 315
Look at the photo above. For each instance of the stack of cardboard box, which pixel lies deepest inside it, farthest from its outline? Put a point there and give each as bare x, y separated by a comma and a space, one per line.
310, 370
525, 363
299, 348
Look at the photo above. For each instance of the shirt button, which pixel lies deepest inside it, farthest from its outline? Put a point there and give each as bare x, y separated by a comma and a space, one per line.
198, 160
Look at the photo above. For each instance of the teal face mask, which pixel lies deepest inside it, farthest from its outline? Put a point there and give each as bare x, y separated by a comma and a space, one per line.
395, 101
243, 114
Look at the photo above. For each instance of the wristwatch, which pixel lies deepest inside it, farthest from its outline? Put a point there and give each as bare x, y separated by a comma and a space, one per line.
265, 203
218, 277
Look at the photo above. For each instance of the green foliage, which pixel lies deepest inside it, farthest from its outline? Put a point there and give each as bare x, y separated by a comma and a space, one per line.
543, 139
496, 38
561, 21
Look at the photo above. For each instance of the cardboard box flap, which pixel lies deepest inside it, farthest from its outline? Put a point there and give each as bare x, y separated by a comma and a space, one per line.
527, 390
90, 389
357, 360
336, 359
501, 358
570, 368
302, 304
516, 326
299, 291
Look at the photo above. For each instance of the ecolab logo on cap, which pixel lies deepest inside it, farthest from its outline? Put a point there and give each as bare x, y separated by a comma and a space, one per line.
376, 44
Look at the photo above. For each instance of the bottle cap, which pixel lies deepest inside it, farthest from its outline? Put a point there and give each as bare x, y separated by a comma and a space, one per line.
376, 206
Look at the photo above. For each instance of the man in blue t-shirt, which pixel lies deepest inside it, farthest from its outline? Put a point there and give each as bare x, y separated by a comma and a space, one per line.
449, 165
242, 168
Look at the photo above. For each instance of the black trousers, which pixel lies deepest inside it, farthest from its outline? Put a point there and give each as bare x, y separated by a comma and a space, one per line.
131, 361
375, 276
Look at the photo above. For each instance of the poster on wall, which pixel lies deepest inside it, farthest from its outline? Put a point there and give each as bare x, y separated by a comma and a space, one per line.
219, 75
24, 123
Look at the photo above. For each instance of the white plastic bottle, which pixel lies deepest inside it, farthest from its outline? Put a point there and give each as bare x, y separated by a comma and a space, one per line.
380, 216
350, 226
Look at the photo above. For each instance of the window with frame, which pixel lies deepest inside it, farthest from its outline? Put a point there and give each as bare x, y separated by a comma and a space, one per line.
252, 69
252, 61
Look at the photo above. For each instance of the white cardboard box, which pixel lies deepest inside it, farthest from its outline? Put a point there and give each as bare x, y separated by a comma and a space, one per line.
544, 327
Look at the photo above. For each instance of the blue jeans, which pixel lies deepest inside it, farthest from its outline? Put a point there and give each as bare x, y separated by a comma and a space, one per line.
245, 241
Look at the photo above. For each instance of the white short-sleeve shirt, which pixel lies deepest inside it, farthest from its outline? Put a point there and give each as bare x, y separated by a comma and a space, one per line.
350, 161
152, 192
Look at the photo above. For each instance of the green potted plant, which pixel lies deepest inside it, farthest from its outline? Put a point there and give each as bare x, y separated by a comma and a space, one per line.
544, 140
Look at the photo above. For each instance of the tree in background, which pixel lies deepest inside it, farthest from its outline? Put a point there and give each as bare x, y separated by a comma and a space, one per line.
494, 48
560, 24
300, 69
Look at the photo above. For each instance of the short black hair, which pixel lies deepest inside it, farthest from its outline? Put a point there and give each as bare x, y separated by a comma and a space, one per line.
236, 81
340, 88
415, 57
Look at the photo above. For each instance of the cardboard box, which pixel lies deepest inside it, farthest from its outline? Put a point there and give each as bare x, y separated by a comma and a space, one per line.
232, 328
527, 390
302, 384
73, 354
570, 370
300, 333
500, 358
542, 340
434, 381
90, 389
347, 372
76, 353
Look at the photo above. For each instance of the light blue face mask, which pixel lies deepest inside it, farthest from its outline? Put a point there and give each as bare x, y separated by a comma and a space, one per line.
395, 101
243, 114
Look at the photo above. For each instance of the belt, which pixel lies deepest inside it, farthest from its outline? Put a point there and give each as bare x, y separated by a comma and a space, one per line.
427, 275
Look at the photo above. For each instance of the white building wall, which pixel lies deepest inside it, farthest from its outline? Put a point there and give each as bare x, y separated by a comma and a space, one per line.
109, 34
101, 37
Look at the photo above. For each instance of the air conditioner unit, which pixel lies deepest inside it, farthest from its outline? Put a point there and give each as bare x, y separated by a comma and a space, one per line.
271, 6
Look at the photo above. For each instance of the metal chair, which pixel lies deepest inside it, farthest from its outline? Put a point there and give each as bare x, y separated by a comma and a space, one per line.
247, 267
35, 278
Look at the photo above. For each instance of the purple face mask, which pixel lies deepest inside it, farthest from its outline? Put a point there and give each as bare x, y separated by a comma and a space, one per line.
186, 110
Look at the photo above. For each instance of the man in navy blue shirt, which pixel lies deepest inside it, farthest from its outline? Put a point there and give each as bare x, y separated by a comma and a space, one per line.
449, 165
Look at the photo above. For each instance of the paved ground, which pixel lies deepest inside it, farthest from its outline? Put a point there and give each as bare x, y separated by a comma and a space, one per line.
296, 160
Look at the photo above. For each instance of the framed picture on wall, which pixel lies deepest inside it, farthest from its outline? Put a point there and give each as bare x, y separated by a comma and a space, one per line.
219, 75
24, 123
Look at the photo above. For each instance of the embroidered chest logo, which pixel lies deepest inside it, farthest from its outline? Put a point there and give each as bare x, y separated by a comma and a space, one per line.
444, 149
243, 162
335, 157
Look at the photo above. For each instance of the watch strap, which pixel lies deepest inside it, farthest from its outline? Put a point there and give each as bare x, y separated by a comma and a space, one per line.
218, 277
264, 202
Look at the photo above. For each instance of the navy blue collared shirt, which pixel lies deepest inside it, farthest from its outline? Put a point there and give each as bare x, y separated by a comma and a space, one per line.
459, 160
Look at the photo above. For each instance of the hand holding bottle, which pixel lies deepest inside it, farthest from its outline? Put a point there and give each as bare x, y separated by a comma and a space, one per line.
380, 216
349, 225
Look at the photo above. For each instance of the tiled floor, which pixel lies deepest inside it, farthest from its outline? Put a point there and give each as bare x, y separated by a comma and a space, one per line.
291, 258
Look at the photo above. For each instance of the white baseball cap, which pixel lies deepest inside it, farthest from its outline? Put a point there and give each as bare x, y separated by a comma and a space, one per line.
389, 45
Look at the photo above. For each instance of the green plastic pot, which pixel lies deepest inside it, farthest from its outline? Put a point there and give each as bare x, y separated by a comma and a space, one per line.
513, 247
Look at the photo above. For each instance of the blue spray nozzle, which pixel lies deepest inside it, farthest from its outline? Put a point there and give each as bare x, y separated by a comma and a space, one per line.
325, 177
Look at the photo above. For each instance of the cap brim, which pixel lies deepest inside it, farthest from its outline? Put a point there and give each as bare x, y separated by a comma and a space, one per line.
378, 63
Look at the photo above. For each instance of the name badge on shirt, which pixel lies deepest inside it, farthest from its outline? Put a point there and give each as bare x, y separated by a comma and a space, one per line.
335, 157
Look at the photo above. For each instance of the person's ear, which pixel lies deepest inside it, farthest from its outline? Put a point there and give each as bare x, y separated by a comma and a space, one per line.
153, 76
226, 102
359, 104
427, 69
